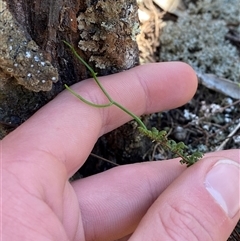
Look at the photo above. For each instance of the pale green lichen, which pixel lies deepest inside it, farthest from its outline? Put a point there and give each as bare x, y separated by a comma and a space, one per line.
198, 38
227, 10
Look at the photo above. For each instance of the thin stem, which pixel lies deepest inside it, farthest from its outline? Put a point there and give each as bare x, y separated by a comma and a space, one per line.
94, 75
112, 102
104, 159
136, 118
81, 59
86, 101
154, 134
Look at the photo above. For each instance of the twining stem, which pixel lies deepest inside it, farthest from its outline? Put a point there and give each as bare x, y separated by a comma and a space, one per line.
111, 101
86, 101
154, 134
136, 118
94, 75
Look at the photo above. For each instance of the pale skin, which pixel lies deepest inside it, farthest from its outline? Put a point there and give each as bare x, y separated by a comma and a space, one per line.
139, 202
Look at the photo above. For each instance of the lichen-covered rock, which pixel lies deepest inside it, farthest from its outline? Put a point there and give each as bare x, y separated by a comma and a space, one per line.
198, 38
21, 58
108, 32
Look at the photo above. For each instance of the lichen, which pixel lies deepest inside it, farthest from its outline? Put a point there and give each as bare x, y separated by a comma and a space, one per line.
227, 10
21, 58
198, 38
108, 32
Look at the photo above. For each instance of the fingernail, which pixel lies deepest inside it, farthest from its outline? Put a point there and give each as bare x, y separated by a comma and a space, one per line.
222, 182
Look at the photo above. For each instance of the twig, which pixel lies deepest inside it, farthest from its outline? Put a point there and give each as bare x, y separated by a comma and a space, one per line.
103, 159
228, 138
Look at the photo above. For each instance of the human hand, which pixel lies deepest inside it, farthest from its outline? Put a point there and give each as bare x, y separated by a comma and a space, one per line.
154, 200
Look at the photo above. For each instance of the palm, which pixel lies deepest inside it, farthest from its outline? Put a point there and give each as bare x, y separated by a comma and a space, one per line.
48, 206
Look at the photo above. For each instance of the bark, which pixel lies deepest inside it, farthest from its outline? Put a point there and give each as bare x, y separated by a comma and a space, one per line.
35, 64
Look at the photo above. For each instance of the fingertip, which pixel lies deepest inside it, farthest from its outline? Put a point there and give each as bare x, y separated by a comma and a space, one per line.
191, 78
167, 84
203, 202
186, 77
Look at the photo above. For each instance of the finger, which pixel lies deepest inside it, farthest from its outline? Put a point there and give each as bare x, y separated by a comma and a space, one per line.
113, 203
202, 204
67, 129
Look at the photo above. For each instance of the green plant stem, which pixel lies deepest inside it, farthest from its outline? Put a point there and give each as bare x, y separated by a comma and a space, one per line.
136, 118
154, 134
111, 101
94, 75
86, 101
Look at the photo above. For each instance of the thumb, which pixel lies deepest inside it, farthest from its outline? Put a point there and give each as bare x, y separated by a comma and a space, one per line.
202, 204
